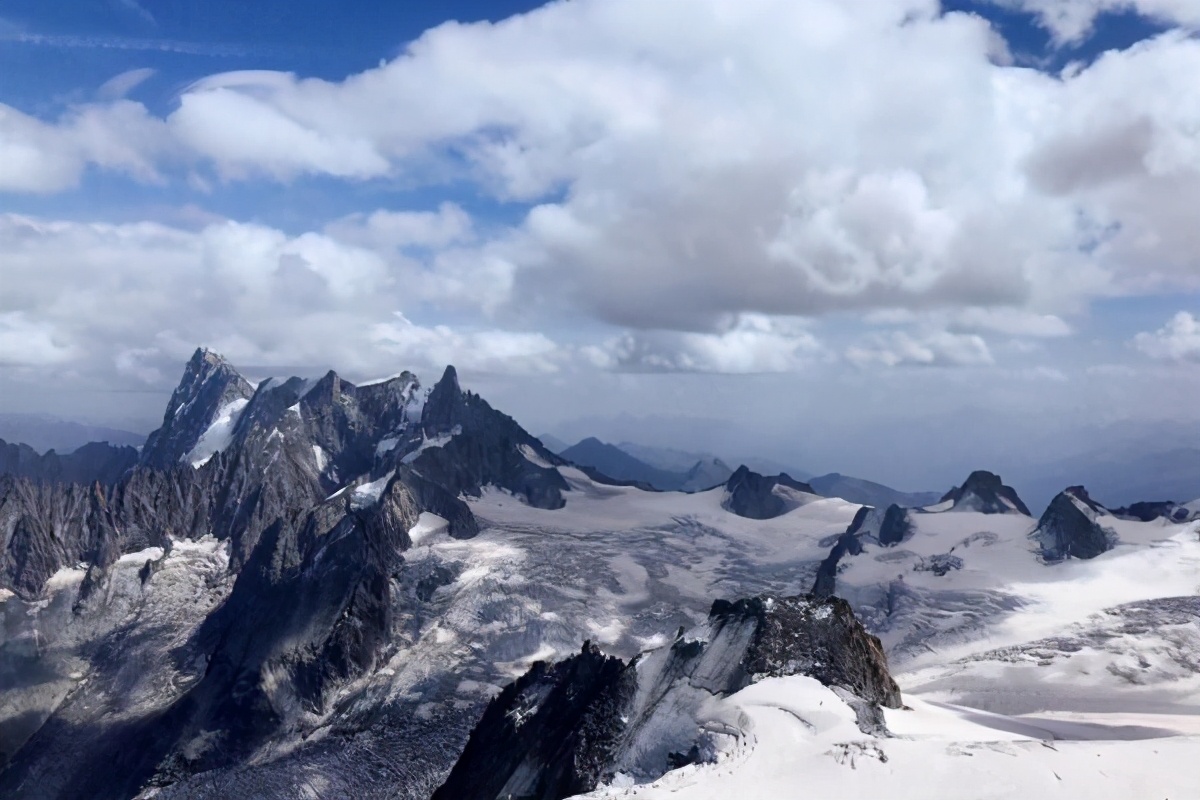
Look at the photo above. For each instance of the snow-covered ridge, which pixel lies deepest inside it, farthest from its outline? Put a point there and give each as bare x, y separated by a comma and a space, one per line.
218, 435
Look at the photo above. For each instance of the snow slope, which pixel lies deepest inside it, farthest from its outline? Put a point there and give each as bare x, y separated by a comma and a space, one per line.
799, 739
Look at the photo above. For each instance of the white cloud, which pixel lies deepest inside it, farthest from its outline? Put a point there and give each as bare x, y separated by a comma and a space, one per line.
41, 157
118, 86
384, 229
26, 342
682, 183
477, 350
684, 173
1178, 340
930, 349
753, 343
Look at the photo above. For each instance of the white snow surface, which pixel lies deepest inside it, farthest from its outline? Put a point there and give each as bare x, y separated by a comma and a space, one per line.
1022, 679
368, 494
427, 526
794, 732
426, 443
218, 435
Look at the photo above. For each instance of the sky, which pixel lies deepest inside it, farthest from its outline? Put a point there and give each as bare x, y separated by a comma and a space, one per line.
887, 238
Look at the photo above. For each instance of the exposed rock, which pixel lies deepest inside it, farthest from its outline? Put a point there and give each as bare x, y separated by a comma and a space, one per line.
478, 446
1069, 527
564, 729
210, 384
755, 496
985, 492
886, 528
550, 734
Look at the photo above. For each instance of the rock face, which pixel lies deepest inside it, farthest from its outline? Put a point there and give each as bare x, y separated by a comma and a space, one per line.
552, 733
886, 527
564, 729
478, 446
986, 493
755, 496
1070, 528
95, 462
209, 386
615, 463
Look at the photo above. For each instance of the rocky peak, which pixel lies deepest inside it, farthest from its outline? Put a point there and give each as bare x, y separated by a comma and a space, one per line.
563, 729
749, 494
444, 408
985, 492
210, 387
886, 527
1070, 527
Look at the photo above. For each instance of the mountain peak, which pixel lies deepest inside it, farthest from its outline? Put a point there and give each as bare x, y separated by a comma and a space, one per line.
444, 406
209, 384
985, 492
755, 496
1069, 527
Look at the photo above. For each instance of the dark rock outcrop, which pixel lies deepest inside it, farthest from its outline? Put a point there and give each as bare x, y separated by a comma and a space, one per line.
550, 734
1069, 528
564, 729
985, 492
209, 385
754, 496
886, 528
94, 462
478, 446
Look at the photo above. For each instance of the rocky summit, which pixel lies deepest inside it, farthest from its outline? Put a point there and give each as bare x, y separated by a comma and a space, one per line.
565, 728
754, 496
985, 492
1071, 527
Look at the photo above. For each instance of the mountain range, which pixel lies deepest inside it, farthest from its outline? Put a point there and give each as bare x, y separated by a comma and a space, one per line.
312, 588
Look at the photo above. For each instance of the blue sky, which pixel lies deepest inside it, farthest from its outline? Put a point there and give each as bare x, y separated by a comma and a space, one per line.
647, 208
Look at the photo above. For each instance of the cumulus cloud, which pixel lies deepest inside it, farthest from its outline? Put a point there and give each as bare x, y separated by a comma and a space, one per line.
929, 349
1178, 340
682, 174
42, 157
684, 189
753, 343
26, 342
139, 297
385, 229
479, 350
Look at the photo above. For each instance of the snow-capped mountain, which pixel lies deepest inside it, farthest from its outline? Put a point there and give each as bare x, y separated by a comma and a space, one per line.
310, 588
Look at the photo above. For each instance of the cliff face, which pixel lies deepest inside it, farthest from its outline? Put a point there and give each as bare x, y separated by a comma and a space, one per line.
986, 493
755, 496
1070, 527
564, 729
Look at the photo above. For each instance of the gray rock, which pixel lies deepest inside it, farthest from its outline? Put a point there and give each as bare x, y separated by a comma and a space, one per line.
563, 729
1069, 528
754, 496
985, 492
